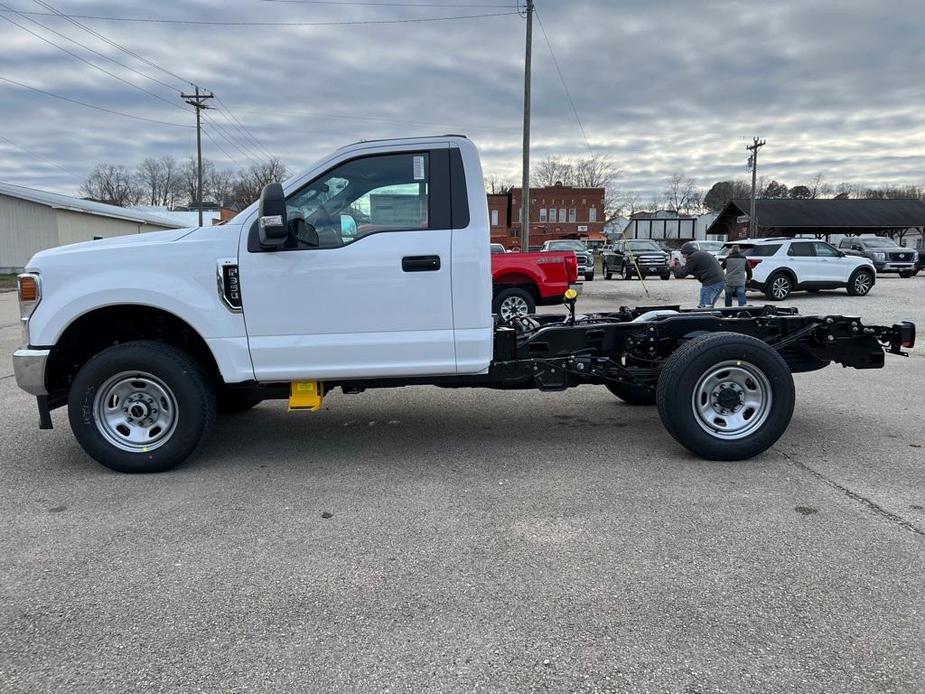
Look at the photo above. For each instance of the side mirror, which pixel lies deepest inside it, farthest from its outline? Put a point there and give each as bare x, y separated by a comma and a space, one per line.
272, 223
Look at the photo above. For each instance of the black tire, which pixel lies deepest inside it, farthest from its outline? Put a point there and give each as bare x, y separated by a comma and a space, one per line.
155, 365
625, 272
607, 273
632, 394
589, 277
906, 274
512, 299
779, 286
665, 275
861, 282
709, 357
235, 400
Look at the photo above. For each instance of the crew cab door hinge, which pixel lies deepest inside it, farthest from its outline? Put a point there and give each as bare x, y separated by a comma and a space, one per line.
229, 283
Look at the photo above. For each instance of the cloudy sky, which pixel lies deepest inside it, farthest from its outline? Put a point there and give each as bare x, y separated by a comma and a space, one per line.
661, 86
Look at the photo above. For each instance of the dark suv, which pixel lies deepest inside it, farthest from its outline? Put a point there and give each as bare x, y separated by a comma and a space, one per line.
884, 253
636, 257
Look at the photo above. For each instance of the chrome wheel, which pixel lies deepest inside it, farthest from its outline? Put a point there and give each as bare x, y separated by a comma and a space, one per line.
862, 283
135, 411
732, 400
513, 307
780, 287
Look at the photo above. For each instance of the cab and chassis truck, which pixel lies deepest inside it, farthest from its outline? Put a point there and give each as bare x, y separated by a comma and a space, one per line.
371, 270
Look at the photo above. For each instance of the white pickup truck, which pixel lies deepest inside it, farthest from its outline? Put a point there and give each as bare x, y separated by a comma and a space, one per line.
372, 269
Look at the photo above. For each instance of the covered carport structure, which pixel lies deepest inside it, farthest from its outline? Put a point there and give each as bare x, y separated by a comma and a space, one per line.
823, 219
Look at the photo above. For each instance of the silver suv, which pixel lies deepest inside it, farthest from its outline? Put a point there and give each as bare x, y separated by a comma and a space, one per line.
582, 254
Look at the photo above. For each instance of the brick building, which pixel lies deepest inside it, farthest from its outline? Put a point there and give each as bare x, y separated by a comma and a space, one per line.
556, 212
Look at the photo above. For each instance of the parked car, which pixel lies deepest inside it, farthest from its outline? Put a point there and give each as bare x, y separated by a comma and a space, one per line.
497, 248
520, 281
635, 257
781, 266
921, 263
884, 253
582, 254
713, 247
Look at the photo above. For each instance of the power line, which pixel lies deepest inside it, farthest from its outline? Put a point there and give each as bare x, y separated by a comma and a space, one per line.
218, 128
36, 155
315, 114
93, 51
54, 12
389, 4
564, 85
230, 23
84, 60
220, 148
228, 114
127, 51
93, 106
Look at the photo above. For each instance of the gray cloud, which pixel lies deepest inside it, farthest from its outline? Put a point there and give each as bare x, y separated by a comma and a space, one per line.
834, 85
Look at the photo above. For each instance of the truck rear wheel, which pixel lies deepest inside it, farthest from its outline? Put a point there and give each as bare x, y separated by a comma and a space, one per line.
140, 407
513, 303
725, 396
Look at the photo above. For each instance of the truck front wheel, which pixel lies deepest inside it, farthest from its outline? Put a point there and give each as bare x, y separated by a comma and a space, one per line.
140, 407
513, 302
725, 396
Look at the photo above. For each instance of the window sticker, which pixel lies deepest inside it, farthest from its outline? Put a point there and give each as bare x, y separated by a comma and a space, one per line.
419, 168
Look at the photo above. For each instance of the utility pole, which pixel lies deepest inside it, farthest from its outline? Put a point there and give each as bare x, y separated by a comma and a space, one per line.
198, 102
525, 208
753, 160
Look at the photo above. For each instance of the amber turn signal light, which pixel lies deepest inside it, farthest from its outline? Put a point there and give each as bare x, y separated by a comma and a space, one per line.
28, 288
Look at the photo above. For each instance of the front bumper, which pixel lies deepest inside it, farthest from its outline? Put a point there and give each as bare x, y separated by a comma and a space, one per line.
29, 369
889, 266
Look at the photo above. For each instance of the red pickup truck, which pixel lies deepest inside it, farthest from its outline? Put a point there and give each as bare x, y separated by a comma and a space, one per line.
524, 280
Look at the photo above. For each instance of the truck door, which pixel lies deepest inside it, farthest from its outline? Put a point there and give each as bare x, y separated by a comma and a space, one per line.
363, 288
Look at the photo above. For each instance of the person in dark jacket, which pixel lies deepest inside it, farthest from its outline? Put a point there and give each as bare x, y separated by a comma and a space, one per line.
738, 272
706, 269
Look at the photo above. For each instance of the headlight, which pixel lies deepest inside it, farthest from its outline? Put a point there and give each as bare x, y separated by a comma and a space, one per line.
30, 294
879, 256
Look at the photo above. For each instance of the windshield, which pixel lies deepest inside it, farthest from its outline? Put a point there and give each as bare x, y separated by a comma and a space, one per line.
879, 243
642, 246
711, 246
497, 248
573, 245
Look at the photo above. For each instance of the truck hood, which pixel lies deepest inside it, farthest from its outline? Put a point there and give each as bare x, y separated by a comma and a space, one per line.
127, 241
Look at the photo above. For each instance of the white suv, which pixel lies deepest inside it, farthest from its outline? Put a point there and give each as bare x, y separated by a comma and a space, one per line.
780, 266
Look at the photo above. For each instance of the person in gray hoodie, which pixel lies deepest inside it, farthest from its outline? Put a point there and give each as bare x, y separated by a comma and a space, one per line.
738, 272
705, 268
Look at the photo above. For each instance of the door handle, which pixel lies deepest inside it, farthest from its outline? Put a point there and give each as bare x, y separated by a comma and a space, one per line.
420, 263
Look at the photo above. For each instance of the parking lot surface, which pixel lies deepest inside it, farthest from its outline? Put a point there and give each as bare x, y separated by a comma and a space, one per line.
424, 540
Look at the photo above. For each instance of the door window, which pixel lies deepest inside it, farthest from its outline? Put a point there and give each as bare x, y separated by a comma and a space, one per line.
363, 196
824, 250
801, 249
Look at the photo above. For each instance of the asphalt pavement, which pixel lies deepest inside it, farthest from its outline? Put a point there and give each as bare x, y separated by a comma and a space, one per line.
429, 540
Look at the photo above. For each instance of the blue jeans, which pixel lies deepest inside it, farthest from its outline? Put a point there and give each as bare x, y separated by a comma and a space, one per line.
737, 292
709, 293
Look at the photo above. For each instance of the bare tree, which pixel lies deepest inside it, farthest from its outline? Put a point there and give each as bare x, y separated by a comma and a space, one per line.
552, 170
112, 183
497, 185
682, 194
252, 180
149, 178
220, 186
818, 188
171, 181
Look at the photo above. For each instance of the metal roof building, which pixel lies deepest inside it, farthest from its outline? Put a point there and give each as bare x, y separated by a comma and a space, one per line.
32, 220
822, 218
